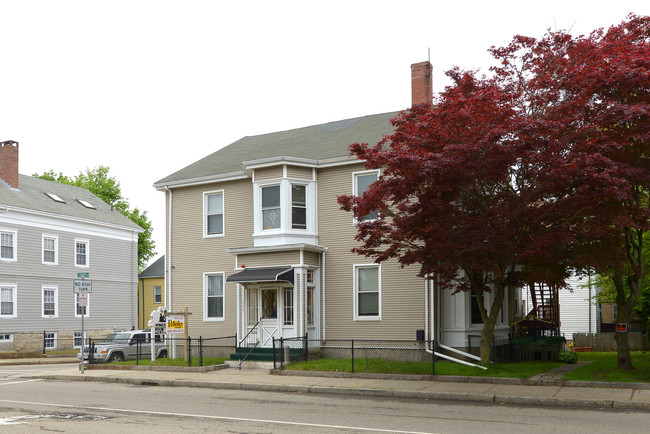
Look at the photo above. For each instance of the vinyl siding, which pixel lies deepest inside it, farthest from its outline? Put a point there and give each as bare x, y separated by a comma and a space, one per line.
402, 292
146, 299
192, 255
270, 259
299, 172
268, 173
112, 271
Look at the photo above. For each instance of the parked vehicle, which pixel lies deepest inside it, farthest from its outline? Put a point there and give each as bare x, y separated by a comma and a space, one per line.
126, 345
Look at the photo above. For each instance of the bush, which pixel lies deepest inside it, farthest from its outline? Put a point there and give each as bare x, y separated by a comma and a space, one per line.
567, 357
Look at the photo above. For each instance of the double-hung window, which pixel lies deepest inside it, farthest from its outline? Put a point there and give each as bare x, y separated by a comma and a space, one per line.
213, 205
271, 210
50, 249
298, 206
157, 294
82, 253
7, 245
363, 181
7, 301
50, 301
78, 340
49, 340
213, 297
367, 292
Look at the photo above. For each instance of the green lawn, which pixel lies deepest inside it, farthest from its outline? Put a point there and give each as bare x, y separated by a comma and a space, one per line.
207, 361
603, 368
513, 370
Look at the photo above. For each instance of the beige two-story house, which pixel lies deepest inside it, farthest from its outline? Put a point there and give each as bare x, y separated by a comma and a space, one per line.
256, 242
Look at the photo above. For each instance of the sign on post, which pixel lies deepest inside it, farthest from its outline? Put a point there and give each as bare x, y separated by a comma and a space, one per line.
175, 324
81, 286
83, 299
83, 275
621, 327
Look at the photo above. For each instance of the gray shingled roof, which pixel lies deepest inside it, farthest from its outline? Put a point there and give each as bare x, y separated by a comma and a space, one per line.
317, 142
157, 269
30, 195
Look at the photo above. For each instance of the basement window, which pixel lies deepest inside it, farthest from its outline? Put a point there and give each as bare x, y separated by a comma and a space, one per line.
86, 204
54, 197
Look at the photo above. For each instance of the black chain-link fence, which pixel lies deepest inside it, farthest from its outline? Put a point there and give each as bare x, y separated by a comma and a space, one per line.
192, 350
501, 350
358, 355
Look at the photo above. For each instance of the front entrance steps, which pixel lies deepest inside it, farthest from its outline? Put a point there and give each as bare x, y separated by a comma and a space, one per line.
259, 354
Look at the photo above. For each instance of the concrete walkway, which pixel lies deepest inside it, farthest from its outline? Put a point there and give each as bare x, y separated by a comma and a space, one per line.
545, 389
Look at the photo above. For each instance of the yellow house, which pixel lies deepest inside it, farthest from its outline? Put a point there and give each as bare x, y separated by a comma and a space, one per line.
151, 294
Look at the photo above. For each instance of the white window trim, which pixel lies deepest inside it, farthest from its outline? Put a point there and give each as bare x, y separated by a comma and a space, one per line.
8, 340
357, 317
56, 249
56, 300
154, 294
286, 207
15, 245
74, 333
76, 296
205, 213
56, 341
87, 242
205, 297
355, 188
14, 299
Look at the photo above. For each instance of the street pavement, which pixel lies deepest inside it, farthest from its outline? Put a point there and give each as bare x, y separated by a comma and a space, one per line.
545, 389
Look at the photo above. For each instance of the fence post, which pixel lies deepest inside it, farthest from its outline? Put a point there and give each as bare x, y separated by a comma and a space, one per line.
91, 351
433, 357
274, 358
138, 348
200, 350
352, 347
305, 347
281, 353
189, 351
43, 341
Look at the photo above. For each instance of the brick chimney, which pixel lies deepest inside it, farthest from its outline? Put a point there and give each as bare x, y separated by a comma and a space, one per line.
9, 162
421, 83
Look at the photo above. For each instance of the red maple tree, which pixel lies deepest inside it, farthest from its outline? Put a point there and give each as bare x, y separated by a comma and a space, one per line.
522, 175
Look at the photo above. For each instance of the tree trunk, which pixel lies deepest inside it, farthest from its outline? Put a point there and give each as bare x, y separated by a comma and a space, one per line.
489, 318
624, 306
486, 338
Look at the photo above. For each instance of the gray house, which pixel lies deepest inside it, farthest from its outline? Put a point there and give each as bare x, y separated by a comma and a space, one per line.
51, 233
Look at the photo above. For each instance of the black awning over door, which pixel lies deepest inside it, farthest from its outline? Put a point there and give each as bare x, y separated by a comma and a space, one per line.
270, 274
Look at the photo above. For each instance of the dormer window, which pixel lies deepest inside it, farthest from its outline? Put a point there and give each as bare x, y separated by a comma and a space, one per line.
54, 197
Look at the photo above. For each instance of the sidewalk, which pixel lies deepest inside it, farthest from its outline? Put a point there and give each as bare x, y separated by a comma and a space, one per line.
546, 389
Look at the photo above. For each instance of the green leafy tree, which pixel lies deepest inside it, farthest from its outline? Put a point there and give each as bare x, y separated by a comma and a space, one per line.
107, 188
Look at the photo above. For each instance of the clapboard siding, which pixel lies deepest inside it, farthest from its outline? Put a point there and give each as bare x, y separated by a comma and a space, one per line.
112, 269
268, 173
402, 292
299, 172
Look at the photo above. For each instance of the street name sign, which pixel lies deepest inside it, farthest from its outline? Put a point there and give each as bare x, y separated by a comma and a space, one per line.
83, 275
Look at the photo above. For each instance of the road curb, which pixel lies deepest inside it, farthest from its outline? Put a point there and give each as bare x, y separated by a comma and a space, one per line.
438, 396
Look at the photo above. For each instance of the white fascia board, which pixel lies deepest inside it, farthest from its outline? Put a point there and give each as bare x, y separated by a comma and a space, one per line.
278, 248
190, 182
58, 223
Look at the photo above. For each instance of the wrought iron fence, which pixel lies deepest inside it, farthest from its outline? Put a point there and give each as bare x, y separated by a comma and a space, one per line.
357, 355
193, 350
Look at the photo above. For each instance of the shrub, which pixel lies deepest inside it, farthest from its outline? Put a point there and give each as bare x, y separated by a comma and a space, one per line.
567, 357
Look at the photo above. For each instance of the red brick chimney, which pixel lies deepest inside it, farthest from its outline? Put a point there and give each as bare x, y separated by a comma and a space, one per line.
421, 83
9, 162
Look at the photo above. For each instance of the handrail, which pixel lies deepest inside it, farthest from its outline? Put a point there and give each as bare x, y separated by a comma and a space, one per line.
241, 361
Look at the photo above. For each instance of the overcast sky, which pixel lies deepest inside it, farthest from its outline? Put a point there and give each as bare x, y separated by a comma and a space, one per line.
148, 87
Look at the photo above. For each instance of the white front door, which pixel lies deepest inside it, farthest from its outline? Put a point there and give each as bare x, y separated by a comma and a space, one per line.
270, 322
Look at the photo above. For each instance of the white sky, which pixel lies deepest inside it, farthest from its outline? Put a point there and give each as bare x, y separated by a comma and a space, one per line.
148, 87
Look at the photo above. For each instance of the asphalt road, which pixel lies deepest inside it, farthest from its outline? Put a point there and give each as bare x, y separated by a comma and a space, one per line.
28, 405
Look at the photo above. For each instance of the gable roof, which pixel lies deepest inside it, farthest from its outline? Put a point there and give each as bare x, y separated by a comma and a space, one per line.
31, 196
316, 143
157, 269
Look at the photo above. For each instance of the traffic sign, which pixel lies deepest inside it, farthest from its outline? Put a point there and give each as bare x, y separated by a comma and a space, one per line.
83, 299
83, 275
621, 327
80, 286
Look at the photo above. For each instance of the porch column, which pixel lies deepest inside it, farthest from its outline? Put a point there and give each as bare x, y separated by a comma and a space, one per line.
301, 291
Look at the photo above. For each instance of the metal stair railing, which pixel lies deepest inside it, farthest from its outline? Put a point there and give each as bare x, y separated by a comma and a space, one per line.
245, 338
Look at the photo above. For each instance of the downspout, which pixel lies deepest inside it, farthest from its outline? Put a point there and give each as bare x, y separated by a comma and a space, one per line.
168, 262
323, 291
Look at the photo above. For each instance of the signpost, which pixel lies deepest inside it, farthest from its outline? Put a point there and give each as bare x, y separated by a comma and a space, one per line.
82, 288
177, 323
